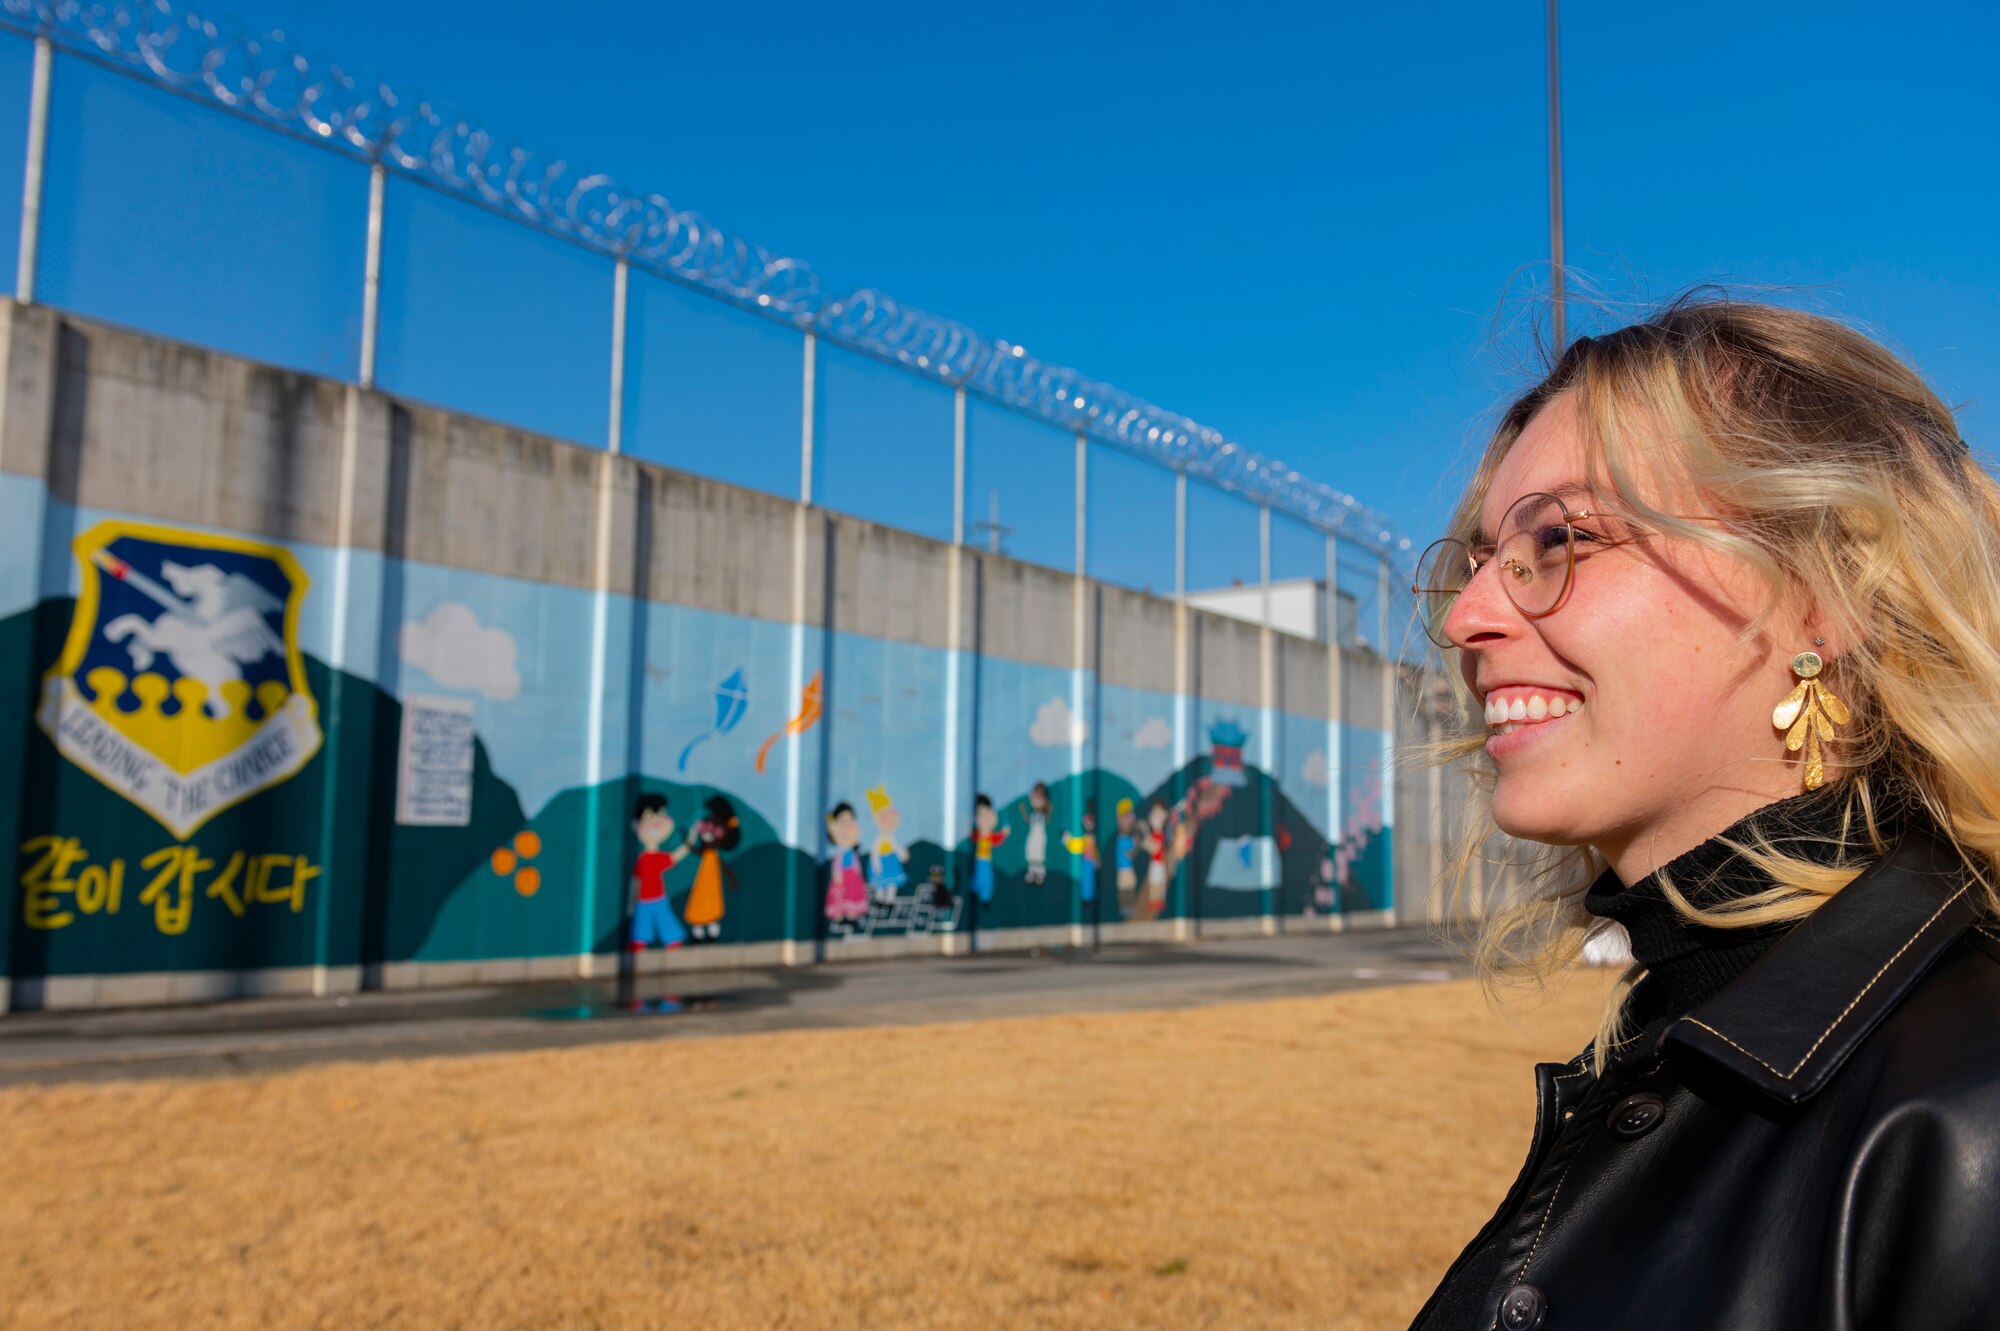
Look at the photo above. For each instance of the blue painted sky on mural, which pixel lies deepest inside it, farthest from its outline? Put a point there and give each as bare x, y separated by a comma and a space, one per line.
1301, 225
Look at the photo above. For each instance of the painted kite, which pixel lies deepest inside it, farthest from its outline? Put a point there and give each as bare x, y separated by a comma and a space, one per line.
798, 725
732, 699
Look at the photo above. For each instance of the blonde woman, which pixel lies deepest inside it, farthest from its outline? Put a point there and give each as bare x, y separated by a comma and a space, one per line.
1723, 593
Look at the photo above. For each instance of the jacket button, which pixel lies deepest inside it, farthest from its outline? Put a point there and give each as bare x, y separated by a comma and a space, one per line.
1522, 1308
1637, 1115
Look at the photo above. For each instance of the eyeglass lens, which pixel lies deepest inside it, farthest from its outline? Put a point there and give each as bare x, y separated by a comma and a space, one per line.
1533, 556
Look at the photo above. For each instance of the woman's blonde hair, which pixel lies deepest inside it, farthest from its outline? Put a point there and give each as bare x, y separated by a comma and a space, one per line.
1841, 478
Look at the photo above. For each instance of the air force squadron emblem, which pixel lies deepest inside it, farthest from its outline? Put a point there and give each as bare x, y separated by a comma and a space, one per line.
181, 686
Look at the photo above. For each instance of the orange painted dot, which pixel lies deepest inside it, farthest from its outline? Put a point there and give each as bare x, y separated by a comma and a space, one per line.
528, 843
503, 861
528, 881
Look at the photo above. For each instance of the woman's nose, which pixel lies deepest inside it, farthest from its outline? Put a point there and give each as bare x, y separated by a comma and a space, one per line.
1482, 610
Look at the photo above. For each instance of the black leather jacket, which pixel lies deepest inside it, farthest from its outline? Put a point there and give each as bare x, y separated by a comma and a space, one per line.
1816, 1145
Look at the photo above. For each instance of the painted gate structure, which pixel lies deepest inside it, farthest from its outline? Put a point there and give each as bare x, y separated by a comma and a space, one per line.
305, 688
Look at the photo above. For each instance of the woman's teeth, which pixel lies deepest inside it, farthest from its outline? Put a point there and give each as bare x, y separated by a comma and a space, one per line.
1507, 715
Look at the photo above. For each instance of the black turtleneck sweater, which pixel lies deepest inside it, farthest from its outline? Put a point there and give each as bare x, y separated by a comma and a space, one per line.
1686, 963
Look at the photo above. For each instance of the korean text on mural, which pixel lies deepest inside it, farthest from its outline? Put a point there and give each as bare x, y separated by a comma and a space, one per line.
62, 883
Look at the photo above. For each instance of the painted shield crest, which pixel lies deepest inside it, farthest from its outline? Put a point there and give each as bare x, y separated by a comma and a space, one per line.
181, 685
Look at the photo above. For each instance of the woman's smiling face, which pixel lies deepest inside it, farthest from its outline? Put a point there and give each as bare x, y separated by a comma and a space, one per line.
1634, 719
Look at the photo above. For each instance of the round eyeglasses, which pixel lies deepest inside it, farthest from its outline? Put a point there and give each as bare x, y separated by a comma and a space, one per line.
1535, 553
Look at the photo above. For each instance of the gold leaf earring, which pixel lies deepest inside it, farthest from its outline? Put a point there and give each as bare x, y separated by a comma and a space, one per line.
1809, 713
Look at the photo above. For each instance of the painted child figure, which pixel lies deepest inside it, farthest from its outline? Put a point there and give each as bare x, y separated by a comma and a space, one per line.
984, 838
846, 885
1124, 851
1156, 863
653, 922
1085, 846
886, 873
1037, 847
1323, 884
718, 830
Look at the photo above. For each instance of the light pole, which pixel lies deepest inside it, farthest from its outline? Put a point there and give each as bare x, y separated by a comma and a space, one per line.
1556, 174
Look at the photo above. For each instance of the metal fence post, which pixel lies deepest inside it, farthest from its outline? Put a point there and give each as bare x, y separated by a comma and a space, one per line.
1336, 706
1267, 689
794, 812
1432, 726
1183, 927
954, 637
371, 283
1388, 760
615, 432
958, 465
1180, 622
809, 393
31, 184
1082, 480
1079, 660
1382, 604
1264, 562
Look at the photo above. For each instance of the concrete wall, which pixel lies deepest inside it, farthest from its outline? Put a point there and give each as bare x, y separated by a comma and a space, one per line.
305, 688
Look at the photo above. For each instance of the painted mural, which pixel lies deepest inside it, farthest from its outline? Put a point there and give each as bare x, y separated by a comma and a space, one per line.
225, 766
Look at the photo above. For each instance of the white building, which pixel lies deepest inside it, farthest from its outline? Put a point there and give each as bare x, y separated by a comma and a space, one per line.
1297, 606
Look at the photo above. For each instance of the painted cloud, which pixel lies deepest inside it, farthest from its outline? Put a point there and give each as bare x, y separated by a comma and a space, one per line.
1314, 771
1055, 727
1155, 734
455, 649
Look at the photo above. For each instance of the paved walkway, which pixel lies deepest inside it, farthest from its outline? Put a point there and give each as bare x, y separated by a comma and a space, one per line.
266, 1034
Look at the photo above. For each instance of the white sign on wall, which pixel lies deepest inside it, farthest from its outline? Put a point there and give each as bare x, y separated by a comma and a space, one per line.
434, 763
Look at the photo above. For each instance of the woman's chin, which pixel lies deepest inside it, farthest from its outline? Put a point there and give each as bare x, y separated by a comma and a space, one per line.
1531, 819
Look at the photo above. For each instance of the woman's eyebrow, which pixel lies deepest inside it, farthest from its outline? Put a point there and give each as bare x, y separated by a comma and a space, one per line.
1569, 492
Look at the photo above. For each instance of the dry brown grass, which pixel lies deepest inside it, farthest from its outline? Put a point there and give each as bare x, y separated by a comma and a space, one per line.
1303, 1163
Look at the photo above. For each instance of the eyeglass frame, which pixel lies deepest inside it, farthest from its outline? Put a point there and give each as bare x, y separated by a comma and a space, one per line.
1569, 521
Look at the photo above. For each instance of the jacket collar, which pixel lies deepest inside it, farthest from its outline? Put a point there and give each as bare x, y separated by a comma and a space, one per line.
1788, 1023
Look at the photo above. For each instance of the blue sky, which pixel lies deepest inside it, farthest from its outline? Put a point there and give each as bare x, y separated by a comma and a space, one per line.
1300, 224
